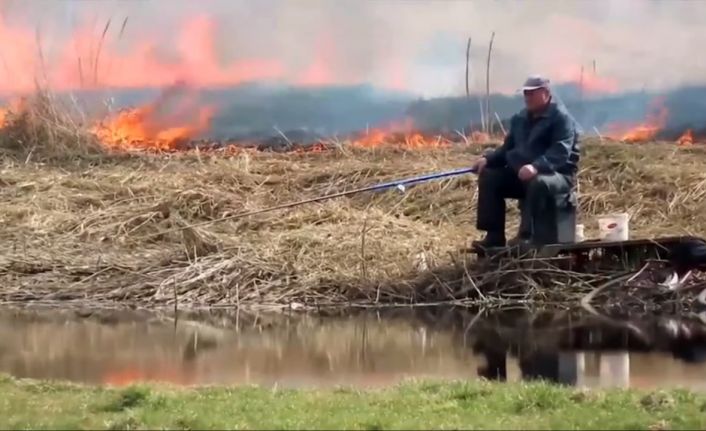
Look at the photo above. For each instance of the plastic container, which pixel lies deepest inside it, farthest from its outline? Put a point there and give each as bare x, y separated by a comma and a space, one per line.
580, 237
614, 227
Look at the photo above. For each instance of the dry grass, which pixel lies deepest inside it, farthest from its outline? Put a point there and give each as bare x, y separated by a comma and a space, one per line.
118, 231
44, 128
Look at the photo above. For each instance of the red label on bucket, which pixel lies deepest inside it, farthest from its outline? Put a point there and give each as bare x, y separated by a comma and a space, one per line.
612, 225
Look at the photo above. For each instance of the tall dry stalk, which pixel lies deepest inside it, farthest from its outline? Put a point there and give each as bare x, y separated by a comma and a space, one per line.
468, 87
468, 60
47, 126
581, 85
98, 54
40, 54
487, 86
482, 115
119, 38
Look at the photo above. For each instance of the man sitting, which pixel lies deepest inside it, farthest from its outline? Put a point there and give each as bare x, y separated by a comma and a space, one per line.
538, 161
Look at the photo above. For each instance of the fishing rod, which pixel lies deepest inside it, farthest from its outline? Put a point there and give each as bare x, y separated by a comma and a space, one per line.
398, 184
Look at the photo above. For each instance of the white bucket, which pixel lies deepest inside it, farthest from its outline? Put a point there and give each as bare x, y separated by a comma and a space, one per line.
614, 370
614, 227
580, 236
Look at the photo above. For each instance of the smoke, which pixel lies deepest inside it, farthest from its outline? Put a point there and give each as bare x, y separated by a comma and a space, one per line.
415, 46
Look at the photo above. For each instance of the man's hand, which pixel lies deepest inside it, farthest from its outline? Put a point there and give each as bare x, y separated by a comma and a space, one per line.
479, 165
527, 172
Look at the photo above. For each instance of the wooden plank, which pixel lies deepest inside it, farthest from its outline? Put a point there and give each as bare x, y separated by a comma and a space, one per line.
555, 249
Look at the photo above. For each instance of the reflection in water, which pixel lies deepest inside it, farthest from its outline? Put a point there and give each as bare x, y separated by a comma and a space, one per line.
362, 350
595, 351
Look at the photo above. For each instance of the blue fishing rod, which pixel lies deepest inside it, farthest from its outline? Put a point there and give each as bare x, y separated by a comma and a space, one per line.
400, 185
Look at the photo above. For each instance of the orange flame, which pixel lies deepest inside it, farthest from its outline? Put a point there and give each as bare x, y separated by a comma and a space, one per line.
14, 107
384, 135
656, 120
400, 134
3, 116
318, 147
152, 127
192, 52
686, 139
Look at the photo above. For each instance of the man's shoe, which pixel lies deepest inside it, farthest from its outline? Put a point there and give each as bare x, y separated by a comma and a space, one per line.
518, 240
490, 241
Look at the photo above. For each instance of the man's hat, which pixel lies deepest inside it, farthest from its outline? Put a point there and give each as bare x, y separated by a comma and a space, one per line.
534, 82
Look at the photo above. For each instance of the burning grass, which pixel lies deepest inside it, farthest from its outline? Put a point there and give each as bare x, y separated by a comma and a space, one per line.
41, 127
121, 232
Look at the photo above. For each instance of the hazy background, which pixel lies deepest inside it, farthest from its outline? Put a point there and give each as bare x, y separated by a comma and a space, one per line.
412, 45
337, 65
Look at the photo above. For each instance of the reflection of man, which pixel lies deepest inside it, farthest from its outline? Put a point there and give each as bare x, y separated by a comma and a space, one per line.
538, 160
540, 366
690, 353
495, 367
557, 367
686, 342
537, 365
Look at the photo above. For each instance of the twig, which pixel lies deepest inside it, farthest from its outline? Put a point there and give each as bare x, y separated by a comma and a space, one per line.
283, 135
463, 136
473, 322
362, 248
473, 283
598, 133
586, 300
638, 273
497, 117
176, 302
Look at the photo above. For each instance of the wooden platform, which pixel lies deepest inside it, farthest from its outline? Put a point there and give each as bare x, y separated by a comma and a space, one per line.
619, 253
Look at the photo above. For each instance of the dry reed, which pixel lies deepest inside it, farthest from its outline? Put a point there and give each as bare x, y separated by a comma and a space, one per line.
119, 232
45, 128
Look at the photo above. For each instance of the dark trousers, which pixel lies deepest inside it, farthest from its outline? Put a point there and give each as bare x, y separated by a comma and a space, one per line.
497, 184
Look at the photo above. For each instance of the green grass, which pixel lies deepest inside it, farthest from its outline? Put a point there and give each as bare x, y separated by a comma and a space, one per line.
32, 404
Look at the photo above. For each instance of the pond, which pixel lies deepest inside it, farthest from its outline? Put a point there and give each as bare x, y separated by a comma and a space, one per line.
362, 349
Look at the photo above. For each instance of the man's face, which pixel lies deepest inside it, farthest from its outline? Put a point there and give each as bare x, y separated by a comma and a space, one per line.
535, 100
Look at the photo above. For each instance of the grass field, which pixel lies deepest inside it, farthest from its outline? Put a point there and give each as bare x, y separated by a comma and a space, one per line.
480, 405
119, 229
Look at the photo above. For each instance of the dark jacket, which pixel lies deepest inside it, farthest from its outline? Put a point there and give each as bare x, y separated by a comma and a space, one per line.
549, 142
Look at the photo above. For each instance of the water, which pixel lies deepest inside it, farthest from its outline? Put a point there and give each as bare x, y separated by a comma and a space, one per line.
364, 350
